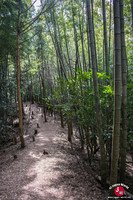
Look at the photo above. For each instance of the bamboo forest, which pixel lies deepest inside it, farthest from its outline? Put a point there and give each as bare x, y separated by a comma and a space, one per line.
66, 99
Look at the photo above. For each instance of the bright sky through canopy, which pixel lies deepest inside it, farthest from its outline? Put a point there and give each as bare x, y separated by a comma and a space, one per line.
36, 4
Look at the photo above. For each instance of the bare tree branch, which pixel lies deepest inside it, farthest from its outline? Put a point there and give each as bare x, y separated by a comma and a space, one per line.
37, 17
32, 20
28, 8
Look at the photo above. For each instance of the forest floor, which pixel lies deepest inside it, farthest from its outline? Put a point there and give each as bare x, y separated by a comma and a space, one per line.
62, 174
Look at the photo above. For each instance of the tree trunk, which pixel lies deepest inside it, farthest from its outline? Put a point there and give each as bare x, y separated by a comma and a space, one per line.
96, 93
77, 63
109, 30
66, 43
18, 82
32, 97
117, 95
81, 27
70, 130
44, 94
56, 45
103, 56
132, 14
123, 135
94, 31
105, 37
88, 43
87, 145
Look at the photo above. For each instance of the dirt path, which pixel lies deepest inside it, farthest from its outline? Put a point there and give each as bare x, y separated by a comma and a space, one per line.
58, 175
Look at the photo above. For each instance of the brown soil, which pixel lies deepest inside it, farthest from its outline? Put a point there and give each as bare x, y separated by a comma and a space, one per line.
59, 175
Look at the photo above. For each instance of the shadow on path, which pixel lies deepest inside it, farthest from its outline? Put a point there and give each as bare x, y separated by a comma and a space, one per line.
60, 175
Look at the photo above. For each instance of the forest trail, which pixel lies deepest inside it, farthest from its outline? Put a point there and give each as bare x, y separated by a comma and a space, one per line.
58, 175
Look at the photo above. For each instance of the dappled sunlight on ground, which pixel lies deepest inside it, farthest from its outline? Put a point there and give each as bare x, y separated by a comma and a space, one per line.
58, 175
